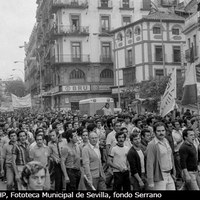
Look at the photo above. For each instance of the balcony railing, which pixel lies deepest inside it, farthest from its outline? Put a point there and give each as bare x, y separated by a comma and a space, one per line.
71, 4
105, 31
70, 30
191, 20
106, 59
70, 58
129, 6
105, 4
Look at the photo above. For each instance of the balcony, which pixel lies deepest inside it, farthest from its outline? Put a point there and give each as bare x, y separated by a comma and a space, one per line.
105, 31
68, 4
105, 4
123, 6
188, 54
62, 30
191, 21
106, 59
70, 58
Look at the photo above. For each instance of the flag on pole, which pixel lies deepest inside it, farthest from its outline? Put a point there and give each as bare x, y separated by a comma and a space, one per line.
190, 86
168, 100
21, 102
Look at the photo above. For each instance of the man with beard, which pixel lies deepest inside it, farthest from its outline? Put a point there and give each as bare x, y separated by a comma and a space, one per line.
160, 162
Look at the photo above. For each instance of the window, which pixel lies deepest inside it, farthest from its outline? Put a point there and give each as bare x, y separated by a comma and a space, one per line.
77, 74
188, 43
125, 3
76, 51
129, 33
146, 5
195, 45
106, 51
156, 30
177, 54
130, 57
137, 31
105, 25
175, 31
104, 3
106, 73
119, 37
126, 20
158, 54
75, 21
159, 73
178, 73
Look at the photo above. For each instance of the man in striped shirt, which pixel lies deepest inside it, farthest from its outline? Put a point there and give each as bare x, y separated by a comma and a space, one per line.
20, 154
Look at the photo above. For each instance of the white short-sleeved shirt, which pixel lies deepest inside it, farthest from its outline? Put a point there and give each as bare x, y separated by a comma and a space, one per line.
119, 155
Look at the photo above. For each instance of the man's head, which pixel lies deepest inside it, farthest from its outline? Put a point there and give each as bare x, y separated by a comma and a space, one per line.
135, 139
107, 105
12, 136
159, 130
188, 135
72, 136
146, 135
91, 128
117, 126
54, 134
39, 138
127, 119
120, 137
22, 136
33, 176
85, 136
93, 138
76, 125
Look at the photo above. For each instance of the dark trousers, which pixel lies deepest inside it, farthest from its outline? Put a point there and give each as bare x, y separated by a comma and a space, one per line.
57, 177
74, 178
135, 183
121, 181
177, 165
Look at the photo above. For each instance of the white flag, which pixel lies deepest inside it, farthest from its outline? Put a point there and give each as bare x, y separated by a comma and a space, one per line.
168, 101
21, 102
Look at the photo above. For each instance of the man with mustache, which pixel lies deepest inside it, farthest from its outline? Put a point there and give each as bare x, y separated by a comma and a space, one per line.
160, 161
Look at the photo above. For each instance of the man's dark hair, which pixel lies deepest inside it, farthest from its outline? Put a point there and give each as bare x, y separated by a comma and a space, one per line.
133, 135
144, 131
21, 132
157, 124
11, 132
119, 134
91, 127
69, 134
185, 132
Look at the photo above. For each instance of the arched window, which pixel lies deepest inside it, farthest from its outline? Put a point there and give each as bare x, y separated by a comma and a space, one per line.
137, 30
129, 33
106, 73
119, 37
77, 74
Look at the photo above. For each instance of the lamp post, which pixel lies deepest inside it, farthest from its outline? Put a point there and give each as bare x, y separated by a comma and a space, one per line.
116, 64
161, 26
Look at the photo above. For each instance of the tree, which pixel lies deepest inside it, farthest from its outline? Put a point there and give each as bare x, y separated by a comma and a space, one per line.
16, 87
152, 90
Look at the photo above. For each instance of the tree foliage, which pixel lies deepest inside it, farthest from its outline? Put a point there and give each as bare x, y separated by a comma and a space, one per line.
16, 87
152, 90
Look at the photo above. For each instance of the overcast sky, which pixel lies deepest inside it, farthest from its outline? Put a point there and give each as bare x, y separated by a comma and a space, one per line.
17, 21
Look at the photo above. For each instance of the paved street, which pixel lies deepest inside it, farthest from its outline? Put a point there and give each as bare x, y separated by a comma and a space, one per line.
2, 186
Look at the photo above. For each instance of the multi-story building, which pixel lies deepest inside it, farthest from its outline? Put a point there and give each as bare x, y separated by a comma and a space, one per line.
149, 47
74, 47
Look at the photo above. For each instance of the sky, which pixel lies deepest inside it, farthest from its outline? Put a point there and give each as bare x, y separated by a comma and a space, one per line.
17, 21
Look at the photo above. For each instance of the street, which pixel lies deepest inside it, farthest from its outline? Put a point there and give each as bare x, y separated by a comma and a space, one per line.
2, 186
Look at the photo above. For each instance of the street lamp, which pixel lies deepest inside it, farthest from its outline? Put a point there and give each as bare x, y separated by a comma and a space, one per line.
161, 26
18, 61
116, 64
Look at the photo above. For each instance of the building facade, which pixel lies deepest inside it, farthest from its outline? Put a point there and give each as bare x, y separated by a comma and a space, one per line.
73, 49
150, 47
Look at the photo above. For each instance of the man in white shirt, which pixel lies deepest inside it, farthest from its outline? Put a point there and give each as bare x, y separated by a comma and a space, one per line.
118, 161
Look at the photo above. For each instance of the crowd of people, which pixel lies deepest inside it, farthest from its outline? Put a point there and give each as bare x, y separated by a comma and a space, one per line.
57, 151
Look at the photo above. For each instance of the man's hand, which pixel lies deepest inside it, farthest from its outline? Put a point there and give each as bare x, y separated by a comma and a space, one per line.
2, 172
187, 179
141, 184
17, 177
